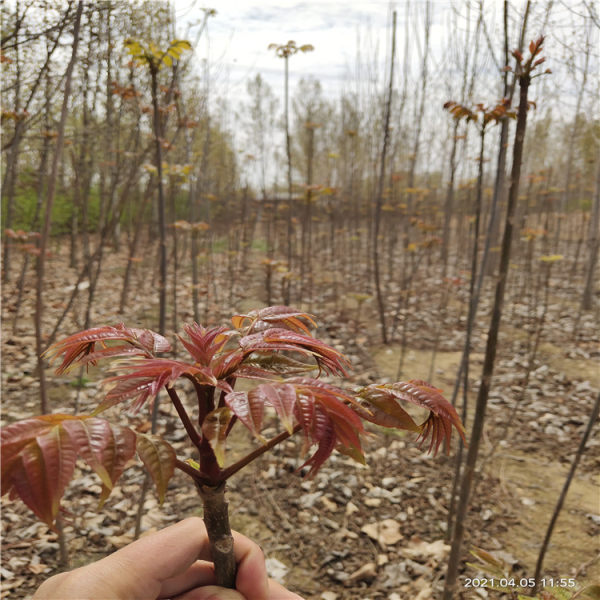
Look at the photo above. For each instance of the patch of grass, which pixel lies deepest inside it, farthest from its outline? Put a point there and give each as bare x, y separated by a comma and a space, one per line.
79, 382
62, 210
219, 245
260, 245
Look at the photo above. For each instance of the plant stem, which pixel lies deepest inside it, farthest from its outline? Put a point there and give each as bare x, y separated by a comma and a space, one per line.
198, 476
216, 516
62, 543
185, 419
216, 519
206, 401
140, 509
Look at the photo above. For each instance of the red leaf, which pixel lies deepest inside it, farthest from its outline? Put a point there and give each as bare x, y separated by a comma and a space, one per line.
346, 422
119, 449
159, 458
324, 434
205, 343
109, 352
326, 420
379, 407
305, 414
442, 415
140, 388
249, 371
15, 437
48, 464
248, 408
143, 378
151, 341
318, 388
283, 399
38, 457
91, 437
273, 364
274, 316
227, 363
77, 347
278, 339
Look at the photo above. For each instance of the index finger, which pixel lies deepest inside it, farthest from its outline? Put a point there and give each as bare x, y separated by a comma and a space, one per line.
251, 579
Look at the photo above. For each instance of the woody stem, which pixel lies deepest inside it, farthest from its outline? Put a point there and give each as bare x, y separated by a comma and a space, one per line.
185, 419
240, 464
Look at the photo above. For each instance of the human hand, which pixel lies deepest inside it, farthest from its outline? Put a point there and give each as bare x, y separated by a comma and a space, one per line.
172, 563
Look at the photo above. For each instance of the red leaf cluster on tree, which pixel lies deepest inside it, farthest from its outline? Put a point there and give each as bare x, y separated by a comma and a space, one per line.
39, 454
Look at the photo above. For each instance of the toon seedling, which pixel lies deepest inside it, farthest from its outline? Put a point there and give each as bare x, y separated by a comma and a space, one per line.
272, 346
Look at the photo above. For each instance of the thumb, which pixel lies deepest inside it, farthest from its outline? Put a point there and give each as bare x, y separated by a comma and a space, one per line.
211, 592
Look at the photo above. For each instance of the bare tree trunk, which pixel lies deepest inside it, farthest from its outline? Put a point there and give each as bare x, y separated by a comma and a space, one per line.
490, 353
162, 232
593, 243
449, 201
379, 198
421, 112
418, 126
133, 245
41, 177
288, 151
466, 90
216, 518
493, 221
473, 302
192, 216
162, 258
82, 158
565, 196
41, 261
306, 239
10, 177
175, 257
500, 182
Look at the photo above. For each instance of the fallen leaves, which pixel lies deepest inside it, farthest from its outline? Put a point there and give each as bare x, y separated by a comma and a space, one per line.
385, 533
422, 551
276, 569
396, 485
367, 573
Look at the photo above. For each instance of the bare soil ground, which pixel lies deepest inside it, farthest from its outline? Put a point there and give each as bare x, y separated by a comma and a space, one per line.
353, 532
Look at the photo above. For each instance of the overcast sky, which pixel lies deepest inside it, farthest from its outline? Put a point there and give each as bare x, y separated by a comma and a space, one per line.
239, 35
241, 31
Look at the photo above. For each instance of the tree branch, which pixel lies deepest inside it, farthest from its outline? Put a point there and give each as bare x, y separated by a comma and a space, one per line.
198, 476
185, 419
240, 464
